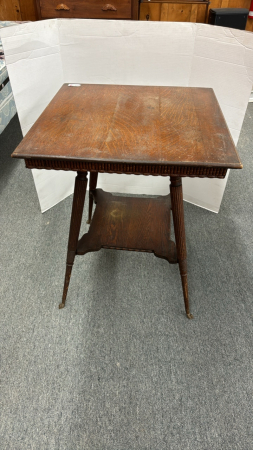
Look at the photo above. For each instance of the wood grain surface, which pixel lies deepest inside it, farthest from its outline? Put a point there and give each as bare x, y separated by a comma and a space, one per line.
132, 124
28, 10
130, 223
173, 11
188, 11
10, 10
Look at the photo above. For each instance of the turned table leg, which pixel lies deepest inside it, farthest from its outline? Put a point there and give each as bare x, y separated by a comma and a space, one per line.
177, 206
75, 224
92, 187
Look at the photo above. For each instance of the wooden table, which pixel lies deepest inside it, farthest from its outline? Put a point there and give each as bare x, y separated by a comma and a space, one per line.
169, 131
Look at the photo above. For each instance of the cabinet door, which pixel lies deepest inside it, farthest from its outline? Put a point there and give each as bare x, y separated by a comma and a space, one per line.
173, 12
28, 10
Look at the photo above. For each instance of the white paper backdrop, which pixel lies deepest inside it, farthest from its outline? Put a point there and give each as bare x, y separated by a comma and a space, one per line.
42, 55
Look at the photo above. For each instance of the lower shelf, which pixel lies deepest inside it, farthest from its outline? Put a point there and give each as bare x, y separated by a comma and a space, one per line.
130, 223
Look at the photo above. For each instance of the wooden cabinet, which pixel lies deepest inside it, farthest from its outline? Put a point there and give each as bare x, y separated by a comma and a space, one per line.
160, 10
18, 10
187, 10
88, 9
174, 11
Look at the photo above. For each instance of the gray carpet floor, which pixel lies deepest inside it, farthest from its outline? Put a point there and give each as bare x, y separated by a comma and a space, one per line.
121, 367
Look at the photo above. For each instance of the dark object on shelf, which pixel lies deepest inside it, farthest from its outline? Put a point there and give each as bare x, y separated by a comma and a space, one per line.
229, 17
4, 83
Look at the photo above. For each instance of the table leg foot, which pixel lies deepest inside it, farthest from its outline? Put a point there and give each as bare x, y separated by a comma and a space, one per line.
190, 316
61, 305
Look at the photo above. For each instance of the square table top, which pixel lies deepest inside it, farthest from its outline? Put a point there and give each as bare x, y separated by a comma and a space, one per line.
132, 124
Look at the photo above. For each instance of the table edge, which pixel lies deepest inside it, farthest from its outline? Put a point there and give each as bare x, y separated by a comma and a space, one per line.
181, 170
70, 160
